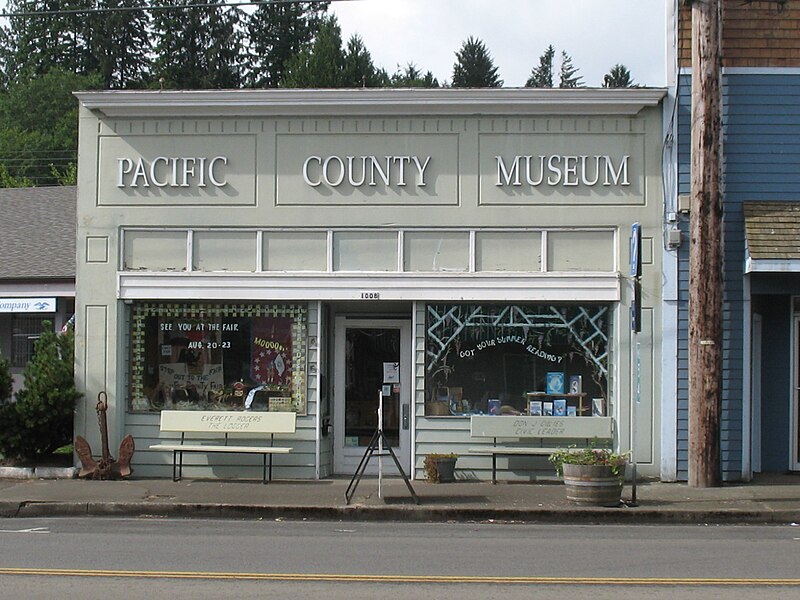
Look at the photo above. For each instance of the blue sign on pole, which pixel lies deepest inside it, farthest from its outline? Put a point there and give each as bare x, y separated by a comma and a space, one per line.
636, 247
636, 272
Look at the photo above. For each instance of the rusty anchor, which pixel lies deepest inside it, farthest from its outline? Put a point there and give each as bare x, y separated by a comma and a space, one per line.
106, 467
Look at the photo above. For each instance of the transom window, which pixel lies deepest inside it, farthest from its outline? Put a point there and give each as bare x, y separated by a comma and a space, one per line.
370, 250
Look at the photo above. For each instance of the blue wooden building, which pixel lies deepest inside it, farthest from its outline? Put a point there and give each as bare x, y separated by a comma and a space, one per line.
761, 191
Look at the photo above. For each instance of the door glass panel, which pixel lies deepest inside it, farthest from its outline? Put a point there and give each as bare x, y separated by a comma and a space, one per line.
367, 350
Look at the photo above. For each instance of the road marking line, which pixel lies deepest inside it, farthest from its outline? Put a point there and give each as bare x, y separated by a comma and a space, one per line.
31, 530
646, 581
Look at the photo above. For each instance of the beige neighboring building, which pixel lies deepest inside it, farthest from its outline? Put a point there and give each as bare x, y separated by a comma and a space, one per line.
37, 267
452, 252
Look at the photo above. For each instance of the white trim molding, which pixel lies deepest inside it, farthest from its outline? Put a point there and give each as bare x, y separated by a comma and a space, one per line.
34, 290
372, 102
772, 265
467, 287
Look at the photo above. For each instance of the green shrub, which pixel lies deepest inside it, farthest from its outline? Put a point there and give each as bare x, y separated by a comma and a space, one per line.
5, 379
41, 419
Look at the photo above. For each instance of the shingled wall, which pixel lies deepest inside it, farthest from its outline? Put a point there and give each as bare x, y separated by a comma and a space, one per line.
754, 34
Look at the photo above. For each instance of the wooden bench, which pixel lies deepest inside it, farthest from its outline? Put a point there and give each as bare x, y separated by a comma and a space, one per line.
525, 436
223, 422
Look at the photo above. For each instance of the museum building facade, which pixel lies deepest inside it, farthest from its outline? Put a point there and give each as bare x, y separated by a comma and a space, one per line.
445, 253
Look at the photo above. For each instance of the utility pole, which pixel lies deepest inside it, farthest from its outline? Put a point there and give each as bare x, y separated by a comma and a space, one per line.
705, 253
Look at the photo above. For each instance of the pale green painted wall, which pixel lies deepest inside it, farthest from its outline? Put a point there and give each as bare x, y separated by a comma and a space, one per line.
265, 189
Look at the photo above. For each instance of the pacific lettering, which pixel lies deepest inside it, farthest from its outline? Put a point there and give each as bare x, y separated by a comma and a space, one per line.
172, 171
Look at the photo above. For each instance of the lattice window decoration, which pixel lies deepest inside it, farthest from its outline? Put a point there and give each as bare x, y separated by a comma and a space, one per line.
508, 350
208, 356
584, 324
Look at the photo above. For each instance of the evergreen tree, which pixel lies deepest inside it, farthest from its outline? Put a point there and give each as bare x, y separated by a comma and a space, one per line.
40, 421
277, 31
34, 45
618, 77
358, 68
197, 48
474, 67
114, 43
542, 76
321, 65
569, 77
121, 44
411, 77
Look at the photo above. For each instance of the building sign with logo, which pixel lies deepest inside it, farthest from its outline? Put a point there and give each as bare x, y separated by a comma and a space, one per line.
27, 305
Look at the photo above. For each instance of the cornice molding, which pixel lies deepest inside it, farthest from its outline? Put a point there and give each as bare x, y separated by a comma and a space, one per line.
372, 102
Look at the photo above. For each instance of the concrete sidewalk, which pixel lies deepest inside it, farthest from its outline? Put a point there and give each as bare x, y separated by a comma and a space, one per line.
769, 499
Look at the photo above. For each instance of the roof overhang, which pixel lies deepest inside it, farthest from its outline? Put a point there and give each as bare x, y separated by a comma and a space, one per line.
772, 236
771, 265
372, 102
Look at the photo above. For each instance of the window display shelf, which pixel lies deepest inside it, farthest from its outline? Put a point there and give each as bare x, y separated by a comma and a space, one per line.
544, 404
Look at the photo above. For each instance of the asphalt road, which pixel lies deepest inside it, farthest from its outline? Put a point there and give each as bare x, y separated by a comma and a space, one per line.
156, 558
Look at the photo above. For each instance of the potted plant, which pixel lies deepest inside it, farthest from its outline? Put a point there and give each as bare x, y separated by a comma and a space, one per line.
440, 468
591, 475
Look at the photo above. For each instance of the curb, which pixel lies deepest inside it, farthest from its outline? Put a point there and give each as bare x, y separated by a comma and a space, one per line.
55, 472
38, 472
16, 473
582, 516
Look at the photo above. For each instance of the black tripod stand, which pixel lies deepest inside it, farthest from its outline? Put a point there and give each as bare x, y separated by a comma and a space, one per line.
378, 446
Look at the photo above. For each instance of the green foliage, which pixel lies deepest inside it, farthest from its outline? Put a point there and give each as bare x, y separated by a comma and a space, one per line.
618, 77
321, 65
68, 176
589, 456
113, 44
569, 77
198, 48
5, 379
474, 67
411, 77
34, 46
277, 32
7, 180
39, 127
542, 76
41, 419
359, 71
121, 44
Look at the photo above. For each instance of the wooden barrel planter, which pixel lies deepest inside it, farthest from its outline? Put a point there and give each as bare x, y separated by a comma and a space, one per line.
594, 485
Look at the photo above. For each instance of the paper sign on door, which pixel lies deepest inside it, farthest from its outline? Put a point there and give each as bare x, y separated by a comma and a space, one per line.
391, 372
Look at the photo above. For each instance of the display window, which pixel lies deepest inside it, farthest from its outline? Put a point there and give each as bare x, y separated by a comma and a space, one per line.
205, 356
548, 360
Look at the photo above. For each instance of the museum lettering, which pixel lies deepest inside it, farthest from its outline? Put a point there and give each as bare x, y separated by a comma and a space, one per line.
565, 170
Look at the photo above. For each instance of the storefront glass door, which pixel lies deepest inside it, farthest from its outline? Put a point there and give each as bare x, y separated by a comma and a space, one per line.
371, 362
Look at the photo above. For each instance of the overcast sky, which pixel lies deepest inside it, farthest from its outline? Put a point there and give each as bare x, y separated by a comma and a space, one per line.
596, 33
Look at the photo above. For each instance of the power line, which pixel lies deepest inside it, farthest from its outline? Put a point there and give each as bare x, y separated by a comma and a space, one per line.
155, 8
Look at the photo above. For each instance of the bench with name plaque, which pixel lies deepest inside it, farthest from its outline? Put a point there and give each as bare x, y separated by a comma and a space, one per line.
212, 427
531, 436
